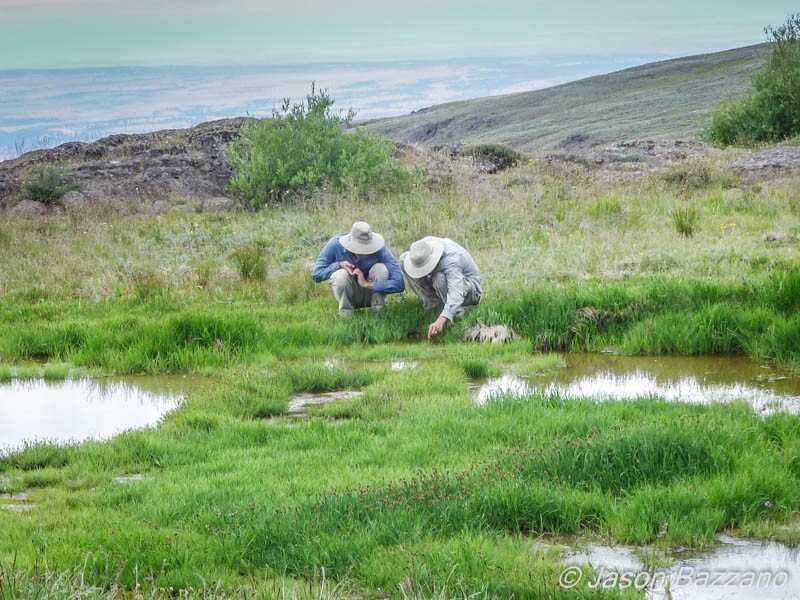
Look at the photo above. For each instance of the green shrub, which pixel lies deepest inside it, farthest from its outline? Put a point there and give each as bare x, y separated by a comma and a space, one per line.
47, 185
771, 110
499, 155
305, 146
688, 176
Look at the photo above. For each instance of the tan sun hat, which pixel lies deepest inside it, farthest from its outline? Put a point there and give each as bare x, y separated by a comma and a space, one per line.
361, 239
423, 257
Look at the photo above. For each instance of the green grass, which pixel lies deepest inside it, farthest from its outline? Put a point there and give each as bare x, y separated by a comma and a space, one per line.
417, 480
671, 99
409, 489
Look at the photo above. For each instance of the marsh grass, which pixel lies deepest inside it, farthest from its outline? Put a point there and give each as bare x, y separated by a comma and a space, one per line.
408, 490
48, 371
624, 468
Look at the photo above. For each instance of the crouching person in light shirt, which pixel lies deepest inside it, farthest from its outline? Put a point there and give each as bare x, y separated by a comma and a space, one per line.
442, 273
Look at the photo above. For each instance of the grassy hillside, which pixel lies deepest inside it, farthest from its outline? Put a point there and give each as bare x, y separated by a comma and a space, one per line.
664, 100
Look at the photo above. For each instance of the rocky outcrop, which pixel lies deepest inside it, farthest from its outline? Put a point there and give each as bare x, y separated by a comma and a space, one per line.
634, 157
183, 163
780, 159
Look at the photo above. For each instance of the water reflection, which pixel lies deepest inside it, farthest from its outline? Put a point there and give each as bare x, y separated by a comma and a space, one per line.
506, 385
299, 402
402, 365
79, 409
736, 569
697, 380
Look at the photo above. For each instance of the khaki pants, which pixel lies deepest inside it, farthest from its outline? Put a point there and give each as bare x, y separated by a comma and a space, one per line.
352, 296
432, 290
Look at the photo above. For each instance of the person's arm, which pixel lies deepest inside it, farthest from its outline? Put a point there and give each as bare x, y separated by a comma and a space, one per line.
454, 300
328, 262
455, 291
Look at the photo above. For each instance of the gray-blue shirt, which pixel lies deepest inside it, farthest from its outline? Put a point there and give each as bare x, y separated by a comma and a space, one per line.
457, 265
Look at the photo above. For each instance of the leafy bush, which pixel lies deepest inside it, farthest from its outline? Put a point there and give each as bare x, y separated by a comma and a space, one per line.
771, 111
47, 185
688, 176
499, 155
306, 146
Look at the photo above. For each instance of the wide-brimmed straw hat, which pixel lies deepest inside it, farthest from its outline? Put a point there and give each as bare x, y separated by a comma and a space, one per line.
422, 258
361, 239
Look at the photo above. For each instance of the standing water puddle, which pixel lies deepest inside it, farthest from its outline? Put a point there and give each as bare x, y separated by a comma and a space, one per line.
79, 409
737, 569
695, 379
299, 402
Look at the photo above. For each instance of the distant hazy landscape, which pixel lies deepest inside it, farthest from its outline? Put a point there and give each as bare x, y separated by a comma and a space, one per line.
43, 108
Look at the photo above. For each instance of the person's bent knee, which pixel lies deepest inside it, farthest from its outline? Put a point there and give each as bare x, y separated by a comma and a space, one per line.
378, 272
340, 278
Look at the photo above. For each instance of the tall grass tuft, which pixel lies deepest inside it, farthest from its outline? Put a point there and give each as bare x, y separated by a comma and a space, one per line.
685, 220
250, 261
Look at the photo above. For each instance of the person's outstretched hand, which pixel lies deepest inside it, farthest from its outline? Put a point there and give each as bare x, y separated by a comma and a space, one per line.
436, 327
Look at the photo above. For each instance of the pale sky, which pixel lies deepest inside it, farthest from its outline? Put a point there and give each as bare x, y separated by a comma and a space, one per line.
91, 33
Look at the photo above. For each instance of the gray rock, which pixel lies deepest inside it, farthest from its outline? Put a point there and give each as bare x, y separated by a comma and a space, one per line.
29, 208
219, 204
73, 199
780, 159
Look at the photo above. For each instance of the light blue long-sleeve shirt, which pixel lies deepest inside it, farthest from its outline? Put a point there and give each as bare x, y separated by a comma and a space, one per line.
457, 265
333, 253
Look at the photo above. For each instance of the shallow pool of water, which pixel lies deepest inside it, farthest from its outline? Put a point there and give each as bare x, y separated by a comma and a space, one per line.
74, 410
737, 569
696, 379
300, 402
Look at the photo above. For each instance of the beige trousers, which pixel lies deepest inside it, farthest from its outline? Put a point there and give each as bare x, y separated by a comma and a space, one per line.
432, 291
352, 296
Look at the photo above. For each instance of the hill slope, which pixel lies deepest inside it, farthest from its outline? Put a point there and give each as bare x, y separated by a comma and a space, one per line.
665, 100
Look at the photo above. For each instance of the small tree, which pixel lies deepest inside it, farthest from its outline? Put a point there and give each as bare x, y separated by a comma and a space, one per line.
771, 111
47, 185
305, 146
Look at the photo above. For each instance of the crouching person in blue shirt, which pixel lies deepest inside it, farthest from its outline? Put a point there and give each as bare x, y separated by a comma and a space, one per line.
361, 268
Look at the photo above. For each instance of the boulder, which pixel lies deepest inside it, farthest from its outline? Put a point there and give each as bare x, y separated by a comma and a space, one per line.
29, 208
219, 204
